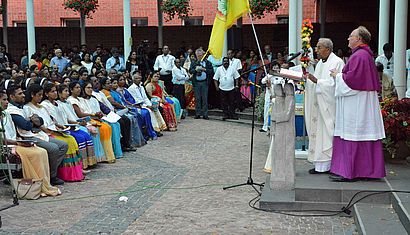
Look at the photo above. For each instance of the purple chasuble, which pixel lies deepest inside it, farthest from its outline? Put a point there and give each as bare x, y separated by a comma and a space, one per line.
360, 72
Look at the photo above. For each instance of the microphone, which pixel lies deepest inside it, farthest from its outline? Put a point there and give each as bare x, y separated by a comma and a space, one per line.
294, 56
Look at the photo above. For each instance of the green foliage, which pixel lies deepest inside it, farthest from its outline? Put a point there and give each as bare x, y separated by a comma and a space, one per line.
260, 8
85, 7
179, 8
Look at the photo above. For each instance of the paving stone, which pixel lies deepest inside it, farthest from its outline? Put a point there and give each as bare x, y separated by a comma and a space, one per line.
160, 181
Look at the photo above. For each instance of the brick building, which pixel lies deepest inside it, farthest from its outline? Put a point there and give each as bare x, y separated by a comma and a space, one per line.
51, 13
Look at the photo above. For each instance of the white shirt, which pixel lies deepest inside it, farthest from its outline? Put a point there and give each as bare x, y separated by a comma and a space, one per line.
139, 94
10, 129
58, 116
165, 62
226, 78
30, 109
386, 63
88, 66
103, 99
68, 109
179, 75
235, 64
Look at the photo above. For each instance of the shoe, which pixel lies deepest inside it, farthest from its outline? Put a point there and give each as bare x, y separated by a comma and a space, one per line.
197, 117
206, 117
314, 172
338, 178
129, 149
86, 172
183, 117
159, 134
262, 130
56, 181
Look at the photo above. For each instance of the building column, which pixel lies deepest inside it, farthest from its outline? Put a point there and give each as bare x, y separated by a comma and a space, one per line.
82, 29
5, 23
400, 41
293, 18
127, 28
384, 20
322, 18
160, 24
31, 34
299, 28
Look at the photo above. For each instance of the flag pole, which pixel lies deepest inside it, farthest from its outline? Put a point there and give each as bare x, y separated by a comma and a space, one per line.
257, 43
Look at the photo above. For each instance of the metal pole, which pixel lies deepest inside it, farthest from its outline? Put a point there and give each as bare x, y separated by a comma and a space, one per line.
82, 28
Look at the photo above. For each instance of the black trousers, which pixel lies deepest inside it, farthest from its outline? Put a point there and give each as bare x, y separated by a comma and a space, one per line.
169, 86
179, 93
228, 103
125, 124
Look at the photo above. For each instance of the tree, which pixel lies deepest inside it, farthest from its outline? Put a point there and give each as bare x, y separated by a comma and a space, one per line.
85, 8
182, 9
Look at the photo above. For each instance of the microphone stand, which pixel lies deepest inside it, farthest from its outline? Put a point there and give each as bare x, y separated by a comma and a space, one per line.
250, 179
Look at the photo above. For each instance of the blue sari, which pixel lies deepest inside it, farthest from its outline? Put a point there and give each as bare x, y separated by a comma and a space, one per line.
137, 137
144, 118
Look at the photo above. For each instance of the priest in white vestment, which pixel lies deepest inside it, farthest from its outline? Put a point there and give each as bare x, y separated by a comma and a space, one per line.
320, 103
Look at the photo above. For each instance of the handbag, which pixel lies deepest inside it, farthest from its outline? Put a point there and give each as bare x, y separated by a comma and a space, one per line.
28, 188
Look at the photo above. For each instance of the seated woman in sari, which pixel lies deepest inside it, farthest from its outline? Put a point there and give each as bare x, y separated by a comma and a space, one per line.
171, 100
117, 131
135, 135
189, 89
83, 110
156, 94
84, 140
121, 95
67, 108
71, 168
34, 159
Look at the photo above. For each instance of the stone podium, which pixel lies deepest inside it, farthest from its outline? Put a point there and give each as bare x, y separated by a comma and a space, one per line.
283, 124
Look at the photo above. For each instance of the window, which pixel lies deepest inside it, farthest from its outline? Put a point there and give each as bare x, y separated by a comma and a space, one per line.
282, 19
195, 20
72, 23
19, 24
139, 21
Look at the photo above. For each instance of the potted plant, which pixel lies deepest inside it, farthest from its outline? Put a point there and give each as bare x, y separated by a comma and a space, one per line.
396, 118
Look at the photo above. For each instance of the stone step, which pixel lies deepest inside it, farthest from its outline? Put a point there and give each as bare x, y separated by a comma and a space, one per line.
373, 219
401, 204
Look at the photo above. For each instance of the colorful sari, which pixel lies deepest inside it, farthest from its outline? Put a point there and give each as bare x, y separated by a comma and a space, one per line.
71, 168
83, 139
189, 96
167, 109
105, 132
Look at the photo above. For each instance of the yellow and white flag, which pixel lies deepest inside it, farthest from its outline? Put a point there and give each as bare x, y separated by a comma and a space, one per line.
228, 12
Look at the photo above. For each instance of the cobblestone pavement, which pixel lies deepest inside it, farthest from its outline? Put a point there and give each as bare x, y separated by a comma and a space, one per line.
174, 186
